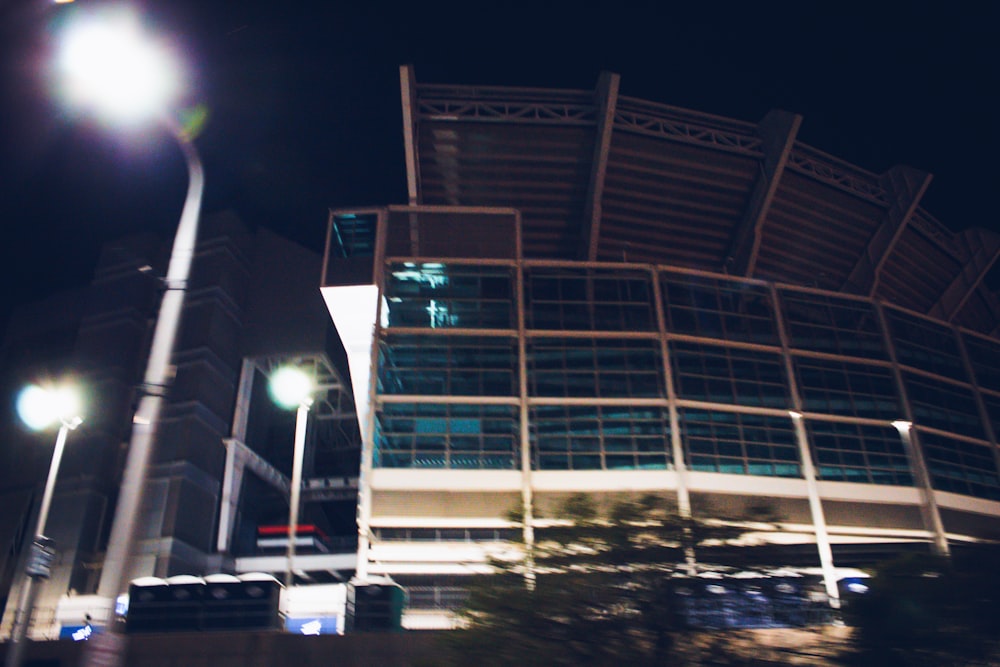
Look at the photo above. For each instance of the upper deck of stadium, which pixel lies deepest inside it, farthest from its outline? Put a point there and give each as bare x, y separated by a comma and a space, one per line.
599, 176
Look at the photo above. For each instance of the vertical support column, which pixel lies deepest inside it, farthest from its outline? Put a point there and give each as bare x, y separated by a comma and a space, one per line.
805, 455
984, 415
232, 481
816, 511
232, 478
527, 491
911, 444
367, 425
676, 447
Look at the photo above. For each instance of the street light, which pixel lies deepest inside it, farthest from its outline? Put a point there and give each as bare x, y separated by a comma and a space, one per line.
109, 64
40, 408
292, 387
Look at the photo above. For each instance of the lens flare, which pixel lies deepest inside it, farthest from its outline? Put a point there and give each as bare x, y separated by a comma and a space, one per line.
107, 62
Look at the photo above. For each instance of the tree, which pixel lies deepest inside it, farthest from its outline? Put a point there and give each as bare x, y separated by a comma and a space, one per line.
924, 610
597, 589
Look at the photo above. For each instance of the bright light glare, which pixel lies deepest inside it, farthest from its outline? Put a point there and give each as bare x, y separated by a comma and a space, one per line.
40, 408
110, 64
290, 387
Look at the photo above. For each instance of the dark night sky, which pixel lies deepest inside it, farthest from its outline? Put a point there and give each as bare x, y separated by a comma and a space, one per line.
303, 102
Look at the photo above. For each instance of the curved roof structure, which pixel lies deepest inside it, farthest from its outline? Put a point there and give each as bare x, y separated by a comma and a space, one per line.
601, 176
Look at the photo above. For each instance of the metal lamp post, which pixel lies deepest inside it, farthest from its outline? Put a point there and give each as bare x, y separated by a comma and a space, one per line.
110, 65
39, 408
292, 388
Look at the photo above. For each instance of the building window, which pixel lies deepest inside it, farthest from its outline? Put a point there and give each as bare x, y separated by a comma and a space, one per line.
439, 296
595, 367
719, 374
447, 365
599, 437
859, 453
925, 345
565, 299
458, 436
840, 388
714, 308
961, 467
942, 405
740, 444
833, 325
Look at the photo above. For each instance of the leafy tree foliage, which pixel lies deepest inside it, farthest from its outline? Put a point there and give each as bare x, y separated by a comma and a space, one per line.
923, 610
596, 589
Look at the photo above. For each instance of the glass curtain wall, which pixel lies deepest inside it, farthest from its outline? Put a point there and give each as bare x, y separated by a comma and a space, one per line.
449, 393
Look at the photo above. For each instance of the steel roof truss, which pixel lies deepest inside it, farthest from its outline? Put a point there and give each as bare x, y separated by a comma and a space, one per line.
778, 129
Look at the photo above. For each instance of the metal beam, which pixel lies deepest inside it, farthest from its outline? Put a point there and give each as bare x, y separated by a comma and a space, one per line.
259, 466
986, 251
606, 97
906, 186
778, 129
408, 92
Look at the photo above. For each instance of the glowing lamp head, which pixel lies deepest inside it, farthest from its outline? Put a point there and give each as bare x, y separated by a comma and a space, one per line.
291, 387
109, 64
40, 408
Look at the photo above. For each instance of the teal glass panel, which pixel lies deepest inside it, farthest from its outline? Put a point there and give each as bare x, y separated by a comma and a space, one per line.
859, 453
719, 374
740, 444
599, 437
353, 235
961, 467
984, 355
850, 389
457, 436
595, 367
440, 296
447, 365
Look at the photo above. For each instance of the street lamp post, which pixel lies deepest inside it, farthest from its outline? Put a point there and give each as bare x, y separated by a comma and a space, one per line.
158, 374
39, 408
291, 387
111, 65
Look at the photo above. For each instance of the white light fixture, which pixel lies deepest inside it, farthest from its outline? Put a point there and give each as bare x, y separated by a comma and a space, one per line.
290, 387
40, 408
107, 62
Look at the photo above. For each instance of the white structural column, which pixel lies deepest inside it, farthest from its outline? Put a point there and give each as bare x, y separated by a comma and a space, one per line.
676, 446
911, 444
232, 476
527, 494
805, 455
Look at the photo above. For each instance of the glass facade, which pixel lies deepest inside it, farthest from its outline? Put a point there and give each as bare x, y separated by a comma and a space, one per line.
608, 437
587, 367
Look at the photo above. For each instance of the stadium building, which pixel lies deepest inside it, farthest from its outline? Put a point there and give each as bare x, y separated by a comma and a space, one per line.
585, 292
588, 292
